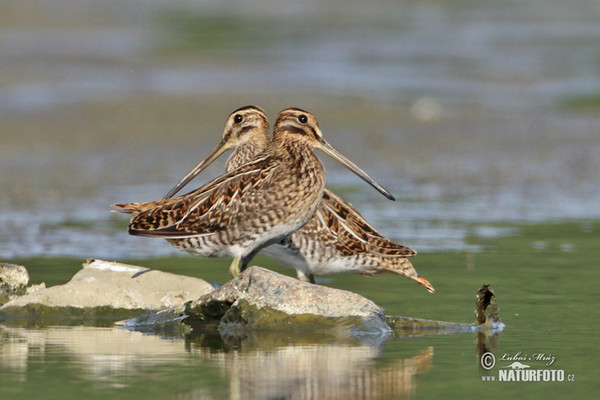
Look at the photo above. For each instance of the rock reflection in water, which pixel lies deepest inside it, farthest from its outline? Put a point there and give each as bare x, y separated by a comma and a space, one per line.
102, 353
256, 367
274, 367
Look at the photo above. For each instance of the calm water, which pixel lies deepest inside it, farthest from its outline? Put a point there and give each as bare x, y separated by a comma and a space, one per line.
70, 362
544, 277
480, 117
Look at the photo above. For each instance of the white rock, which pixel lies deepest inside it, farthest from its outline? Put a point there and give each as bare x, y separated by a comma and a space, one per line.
112, 284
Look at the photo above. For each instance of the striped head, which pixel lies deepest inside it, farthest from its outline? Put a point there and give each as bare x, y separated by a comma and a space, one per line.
296, 126
246, 132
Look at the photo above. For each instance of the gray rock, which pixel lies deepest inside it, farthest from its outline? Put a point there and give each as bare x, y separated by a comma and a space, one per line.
262, 299
111, 285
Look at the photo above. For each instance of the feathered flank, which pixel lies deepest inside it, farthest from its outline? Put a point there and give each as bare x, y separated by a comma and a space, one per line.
337, 239
254, 204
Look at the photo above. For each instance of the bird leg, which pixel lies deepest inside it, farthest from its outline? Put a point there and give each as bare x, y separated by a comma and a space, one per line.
234, 268
302, 277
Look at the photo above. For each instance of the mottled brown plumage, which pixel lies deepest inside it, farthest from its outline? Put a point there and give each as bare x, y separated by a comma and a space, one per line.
252, 206
337, 239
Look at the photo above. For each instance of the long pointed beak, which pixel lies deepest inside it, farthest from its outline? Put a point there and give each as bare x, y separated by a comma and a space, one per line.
219, 149
327, 148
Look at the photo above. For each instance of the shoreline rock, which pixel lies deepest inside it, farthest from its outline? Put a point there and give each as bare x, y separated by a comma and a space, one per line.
257, 300
260, 299
102, 285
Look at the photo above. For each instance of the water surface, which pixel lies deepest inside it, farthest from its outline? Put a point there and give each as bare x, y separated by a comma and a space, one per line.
543, 276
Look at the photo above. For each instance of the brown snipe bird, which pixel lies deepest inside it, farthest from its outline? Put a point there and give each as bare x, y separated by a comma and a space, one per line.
252, 206
337, 239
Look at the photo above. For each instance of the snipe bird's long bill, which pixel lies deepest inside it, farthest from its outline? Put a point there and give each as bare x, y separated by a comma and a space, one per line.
328, 149
219, 149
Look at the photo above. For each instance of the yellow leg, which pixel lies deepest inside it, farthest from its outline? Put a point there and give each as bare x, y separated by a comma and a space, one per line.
303, 278
234, 268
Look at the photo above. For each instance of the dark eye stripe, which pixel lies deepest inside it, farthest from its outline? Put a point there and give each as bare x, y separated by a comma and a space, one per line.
294, 129
245, 129
314, 133
301, 131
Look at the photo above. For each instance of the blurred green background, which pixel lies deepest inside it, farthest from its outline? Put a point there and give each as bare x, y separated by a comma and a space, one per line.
465, 110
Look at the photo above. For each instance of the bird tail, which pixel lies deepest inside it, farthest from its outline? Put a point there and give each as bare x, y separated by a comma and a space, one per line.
425, 283
402, 266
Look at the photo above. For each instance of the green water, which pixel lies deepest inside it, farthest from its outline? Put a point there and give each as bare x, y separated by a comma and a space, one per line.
544, 275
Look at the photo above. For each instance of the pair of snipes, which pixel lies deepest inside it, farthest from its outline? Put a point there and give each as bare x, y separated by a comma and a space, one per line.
273, 199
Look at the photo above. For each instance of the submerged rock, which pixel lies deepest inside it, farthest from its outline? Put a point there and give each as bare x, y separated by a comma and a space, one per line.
256, 300
262, 299
102, 287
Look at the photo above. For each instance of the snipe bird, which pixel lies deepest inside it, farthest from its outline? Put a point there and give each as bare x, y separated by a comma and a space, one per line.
337, 239
254, 205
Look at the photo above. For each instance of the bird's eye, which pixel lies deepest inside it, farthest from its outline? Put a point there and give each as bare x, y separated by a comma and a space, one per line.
237, 118
302, 118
